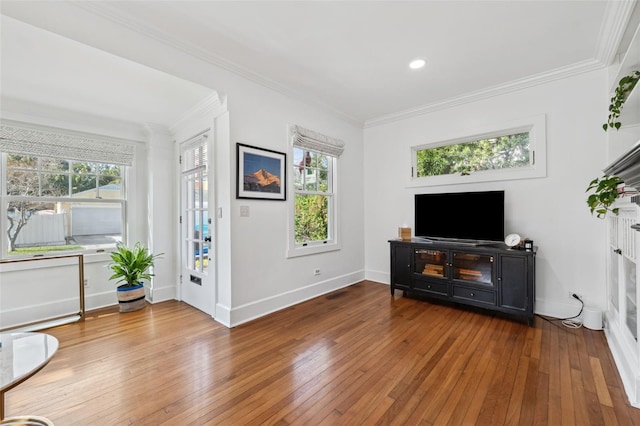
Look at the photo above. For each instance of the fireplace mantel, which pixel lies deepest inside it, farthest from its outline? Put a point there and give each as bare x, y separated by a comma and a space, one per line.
627, 168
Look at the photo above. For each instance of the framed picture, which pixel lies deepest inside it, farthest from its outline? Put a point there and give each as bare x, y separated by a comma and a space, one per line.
261, 173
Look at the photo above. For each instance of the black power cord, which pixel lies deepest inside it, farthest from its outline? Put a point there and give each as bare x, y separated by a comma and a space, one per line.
570, 322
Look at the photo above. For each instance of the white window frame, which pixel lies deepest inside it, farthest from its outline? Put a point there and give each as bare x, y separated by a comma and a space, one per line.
333, 242
5, 199
536, 126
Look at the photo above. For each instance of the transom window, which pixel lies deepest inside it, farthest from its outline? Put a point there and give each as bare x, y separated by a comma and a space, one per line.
517, 151
60, 205
500, 152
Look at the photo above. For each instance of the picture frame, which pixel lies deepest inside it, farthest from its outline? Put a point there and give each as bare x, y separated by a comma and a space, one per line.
260, 173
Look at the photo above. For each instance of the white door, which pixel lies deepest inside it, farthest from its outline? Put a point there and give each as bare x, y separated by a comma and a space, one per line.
197, 256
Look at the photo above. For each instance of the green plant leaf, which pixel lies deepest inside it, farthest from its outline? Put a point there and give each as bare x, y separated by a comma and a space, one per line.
131, 265
625, 86
605, 193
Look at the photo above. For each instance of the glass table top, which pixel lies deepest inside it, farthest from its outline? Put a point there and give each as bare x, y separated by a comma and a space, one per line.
22, 355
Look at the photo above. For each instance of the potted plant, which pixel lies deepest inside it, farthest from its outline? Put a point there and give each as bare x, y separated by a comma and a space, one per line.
130, 266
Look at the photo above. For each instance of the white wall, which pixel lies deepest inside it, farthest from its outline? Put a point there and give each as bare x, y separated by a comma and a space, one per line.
552, 210
263, 279
257, 277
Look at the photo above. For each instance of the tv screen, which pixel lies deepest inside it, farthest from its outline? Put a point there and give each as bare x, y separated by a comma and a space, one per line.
460, 215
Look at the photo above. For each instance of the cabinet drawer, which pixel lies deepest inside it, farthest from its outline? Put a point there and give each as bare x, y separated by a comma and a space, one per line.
481, 296
430, 287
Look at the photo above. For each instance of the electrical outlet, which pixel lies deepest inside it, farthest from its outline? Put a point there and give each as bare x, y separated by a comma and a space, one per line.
316, 271
86, 282
571, 293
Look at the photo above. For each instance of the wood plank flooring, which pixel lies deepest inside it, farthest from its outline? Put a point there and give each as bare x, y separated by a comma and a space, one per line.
355, 356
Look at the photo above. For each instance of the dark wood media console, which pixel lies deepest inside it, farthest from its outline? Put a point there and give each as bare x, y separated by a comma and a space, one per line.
493, 277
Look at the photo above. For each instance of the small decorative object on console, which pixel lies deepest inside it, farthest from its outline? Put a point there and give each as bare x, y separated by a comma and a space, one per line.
512, 240
528, 245
404, 233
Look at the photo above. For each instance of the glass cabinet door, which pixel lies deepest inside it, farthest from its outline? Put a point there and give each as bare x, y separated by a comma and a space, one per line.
629, 270
477, 268
628, 273
432, 263
613, 257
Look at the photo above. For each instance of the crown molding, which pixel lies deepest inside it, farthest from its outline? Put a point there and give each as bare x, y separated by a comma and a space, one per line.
614, 24
112, 14
213, 105
513, 86
617, 15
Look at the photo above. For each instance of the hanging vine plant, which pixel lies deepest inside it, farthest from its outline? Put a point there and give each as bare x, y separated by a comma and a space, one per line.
605, 193
625, 86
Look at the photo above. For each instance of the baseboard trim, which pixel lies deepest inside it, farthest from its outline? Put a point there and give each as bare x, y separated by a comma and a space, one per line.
223, 315
624, 359
38, 313
250, 311
556, 309
100, 300
378, 276
162, 294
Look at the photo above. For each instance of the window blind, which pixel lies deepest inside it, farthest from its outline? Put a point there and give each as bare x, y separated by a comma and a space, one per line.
55, 143
194, 153
314, 141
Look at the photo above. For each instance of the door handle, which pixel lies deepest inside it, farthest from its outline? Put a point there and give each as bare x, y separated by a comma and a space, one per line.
207, 239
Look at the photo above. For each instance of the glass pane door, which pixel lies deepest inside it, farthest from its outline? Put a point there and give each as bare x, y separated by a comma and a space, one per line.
197, 264
473, 267
432, 263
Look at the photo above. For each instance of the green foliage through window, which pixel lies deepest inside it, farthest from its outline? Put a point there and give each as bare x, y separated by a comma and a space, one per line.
48, 177
311, 218
494, 153
312, 195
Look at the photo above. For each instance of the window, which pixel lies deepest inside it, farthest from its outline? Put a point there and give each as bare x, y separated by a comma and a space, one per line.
57, 205
60, 190
314, 185
493, 153
313, 196
513, 153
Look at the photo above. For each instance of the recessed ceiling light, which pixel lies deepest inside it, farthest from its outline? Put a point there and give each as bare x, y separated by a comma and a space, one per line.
417, 64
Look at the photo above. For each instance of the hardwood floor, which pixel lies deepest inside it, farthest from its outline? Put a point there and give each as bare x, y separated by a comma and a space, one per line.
355, 356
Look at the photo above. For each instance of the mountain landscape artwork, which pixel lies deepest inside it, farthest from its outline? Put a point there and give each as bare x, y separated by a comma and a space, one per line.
261, 181
260, 173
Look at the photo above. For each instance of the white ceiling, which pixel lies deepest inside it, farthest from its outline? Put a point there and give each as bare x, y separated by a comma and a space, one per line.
348, 56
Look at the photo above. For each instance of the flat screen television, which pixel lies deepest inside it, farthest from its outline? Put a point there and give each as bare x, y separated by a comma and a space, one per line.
472, 216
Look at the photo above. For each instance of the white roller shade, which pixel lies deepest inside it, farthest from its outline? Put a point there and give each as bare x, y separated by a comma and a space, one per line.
55, 143
314, 141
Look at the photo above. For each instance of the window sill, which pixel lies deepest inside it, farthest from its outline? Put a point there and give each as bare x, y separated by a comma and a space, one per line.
482, 176
312, 249
88, 256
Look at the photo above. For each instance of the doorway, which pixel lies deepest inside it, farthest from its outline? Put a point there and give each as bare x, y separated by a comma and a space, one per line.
197, 251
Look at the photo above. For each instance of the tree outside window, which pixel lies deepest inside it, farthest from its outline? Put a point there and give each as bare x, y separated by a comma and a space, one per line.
495, 153
313, 195
49, 200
